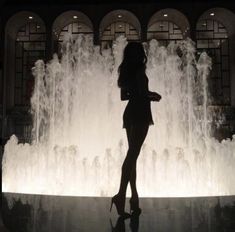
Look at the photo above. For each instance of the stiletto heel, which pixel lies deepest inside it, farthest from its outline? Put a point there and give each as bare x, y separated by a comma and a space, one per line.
120, 205
111, 205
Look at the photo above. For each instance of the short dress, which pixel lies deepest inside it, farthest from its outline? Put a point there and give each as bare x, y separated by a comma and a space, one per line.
138, 109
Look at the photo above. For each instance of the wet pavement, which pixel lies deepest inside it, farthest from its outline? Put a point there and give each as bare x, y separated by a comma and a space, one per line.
37, 213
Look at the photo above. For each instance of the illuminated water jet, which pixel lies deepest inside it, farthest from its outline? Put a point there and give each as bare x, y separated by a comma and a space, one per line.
78, 144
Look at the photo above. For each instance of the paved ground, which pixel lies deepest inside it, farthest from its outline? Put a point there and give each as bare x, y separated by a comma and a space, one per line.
2, 226
36, 213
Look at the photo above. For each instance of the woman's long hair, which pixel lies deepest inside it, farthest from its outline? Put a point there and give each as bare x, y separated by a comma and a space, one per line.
134, 60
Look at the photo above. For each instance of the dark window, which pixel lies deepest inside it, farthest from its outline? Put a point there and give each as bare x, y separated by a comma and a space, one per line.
212, 37
30, 46
164, 32
73, 29
116, 29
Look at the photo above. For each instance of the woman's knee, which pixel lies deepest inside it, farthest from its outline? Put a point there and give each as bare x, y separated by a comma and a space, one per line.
128, 164
135, 149
132, 154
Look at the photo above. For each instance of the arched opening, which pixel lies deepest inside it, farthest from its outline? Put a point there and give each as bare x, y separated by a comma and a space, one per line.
116, 23
74, 28
168, 25
25, 43
212, 37
73, 23
215, 34
30, 46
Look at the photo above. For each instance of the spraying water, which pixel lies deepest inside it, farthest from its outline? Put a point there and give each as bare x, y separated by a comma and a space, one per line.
78, 144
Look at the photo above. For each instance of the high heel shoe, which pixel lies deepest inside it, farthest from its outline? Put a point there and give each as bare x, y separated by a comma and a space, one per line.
119, 202
134, 206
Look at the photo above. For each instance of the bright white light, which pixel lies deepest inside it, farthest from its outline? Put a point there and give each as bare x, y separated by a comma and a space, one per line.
212, 14
30, 17
165, 15
79, 144
75, 16
119, 16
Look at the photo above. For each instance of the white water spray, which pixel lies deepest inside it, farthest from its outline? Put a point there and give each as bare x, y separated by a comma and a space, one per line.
78, 144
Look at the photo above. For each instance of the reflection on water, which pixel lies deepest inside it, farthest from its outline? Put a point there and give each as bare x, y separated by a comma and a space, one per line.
67, 214
121, 224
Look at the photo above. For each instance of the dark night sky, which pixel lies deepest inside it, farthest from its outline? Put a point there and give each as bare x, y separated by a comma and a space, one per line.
16, 2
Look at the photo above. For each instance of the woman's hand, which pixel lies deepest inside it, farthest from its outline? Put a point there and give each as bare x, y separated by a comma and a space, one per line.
154, 96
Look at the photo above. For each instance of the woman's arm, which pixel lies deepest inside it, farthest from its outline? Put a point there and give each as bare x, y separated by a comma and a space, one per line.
125, 95
142, 84
143, 89
144, 92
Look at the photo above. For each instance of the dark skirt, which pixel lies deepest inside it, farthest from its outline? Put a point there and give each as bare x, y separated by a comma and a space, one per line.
137, 112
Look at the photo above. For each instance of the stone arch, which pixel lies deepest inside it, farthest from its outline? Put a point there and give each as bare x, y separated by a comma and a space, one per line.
226, 19
172, 20
119, 22
25, 42
22, 29
70, 17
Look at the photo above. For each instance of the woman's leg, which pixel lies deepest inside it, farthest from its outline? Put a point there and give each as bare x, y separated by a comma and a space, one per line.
134, 192
133, 172
136, 135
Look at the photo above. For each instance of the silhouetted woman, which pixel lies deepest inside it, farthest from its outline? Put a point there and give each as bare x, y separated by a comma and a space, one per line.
137, 117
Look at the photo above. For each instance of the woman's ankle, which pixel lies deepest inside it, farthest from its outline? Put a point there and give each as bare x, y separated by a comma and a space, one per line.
134, 195
121, 194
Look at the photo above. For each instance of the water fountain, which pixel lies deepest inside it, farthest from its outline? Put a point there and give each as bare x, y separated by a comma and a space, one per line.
78, 144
